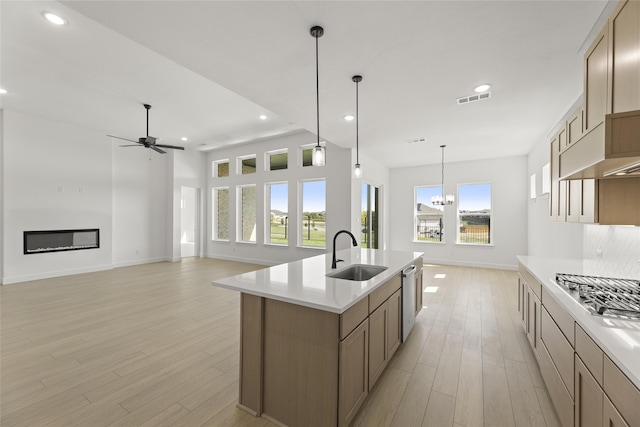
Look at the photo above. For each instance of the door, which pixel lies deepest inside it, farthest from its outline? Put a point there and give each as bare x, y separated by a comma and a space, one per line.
369, 216
189, 218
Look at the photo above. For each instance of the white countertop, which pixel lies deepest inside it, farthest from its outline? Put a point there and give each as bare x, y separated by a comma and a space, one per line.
618, 338
304, 282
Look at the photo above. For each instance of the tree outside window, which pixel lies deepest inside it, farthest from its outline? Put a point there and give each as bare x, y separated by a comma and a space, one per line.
313, 219
278, 220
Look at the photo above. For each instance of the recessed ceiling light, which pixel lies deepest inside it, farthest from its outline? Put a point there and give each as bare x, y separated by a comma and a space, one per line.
54, 19
482, 88
3, 91
262, 117
349, 117
184, 138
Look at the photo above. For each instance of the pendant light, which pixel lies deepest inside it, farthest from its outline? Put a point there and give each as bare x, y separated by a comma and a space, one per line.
442, 199
318, 154
357, 171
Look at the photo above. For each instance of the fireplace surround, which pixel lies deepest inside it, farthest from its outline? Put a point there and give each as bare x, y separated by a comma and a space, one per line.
42, 241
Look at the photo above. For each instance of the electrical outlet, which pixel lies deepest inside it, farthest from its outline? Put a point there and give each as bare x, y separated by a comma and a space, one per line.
598, 253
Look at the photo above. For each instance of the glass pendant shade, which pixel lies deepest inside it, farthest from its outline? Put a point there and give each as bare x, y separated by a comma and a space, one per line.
357, 170
318, 157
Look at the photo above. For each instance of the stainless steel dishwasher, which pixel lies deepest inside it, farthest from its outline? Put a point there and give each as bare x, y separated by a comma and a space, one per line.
408, 300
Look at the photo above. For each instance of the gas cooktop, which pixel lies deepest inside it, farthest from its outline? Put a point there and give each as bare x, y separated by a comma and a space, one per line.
604, 295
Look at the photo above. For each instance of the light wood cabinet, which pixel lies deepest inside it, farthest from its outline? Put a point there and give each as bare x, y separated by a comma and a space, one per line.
354, 373
378, 345
395, 322
558, 195
596, 80
624, 57
586, 387
589, 398
533, 320
612, 417
385, 325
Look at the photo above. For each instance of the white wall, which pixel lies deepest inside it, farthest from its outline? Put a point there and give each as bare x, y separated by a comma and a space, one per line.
509, 185
548, 238
55, 176
337, 172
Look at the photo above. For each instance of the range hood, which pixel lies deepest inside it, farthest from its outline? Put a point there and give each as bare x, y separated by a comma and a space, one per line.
609, 150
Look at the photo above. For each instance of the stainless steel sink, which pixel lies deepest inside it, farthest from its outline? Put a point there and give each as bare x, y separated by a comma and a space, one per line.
357, 272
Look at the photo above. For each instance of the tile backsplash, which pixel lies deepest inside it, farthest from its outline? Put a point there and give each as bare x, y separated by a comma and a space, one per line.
612, 250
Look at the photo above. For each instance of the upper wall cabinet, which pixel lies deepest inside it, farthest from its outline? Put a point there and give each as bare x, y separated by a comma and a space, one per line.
610, 143
624, 58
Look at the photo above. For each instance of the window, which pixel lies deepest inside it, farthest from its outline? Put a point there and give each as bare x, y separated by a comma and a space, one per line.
247, 213
220, 168
428, 218
474, 214
277, 160
247, 164
546, 179
220, 224
532, 186
278, 216
369, 216
306, 153
313, 218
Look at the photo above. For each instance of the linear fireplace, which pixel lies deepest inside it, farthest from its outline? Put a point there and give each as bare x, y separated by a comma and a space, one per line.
37, 242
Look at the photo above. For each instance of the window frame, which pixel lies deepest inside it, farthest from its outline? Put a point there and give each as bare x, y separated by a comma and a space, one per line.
215, 218
490, 225
215, 166
267, 219
300, 221
439, 236
240, 159
239, 213
268, 154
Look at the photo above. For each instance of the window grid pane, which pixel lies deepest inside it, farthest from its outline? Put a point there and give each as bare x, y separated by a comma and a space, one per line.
278, 214
313, 221
248, 213
474, 214
428, 218
221, 217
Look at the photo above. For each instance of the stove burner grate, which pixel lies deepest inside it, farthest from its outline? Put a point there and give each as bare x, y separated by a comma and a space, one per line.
621, 296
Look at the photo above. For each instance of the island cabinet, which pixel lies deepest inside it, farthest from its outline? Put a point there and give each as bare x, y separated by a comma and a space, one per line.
305, 366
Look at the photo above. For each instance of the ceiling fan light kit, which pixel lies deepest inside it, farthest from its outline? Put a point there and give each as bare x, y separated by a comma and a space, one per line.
148, 141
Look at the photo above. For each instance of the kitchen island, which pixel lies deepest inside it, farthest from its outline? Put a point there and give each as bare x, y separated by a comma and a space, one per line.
313, 346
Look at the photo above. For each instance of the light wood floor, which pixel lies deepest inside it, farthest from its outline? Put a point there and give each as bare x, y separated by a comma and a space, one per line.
156, 345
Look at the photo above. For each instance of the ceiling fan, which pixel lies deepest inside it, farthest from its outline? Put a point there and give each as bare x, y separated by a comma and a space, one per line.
148, 141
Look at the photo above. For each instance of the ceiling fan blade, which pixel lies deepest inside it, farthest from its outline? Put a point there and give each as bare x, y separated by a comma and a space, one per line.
124, 139
132, 145
175, 147
154, 148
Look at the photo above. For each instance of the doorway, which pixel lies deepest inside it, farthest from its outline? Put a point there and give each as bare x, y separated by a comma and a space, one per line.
189, 220
369, 216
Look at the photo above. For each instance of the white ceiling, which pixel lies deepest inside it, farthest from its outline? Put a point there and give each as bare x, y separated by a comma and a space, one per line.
210, 68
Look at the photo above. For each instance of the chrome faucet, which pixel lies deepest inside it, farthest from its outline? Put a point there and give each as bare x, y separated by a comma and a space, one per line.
335, 261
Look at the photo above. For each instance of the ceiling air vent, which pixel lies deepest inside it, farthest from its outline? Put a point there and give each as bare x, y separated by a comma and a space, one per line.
416, 140
473, 98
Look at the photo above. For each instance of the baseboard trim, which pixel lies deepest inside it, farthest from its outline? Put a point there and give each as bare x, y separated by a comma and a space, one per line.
10, 280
